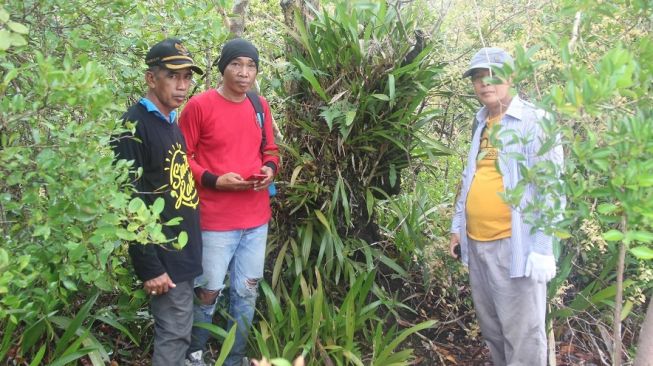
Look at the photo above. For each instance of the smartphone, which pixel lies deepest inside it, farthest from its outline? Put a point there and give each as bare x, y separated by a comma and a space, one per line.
257, 177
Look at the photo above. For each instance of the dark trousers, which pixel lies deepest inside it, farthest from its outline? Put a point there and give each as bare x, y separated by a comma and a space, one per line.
173, 321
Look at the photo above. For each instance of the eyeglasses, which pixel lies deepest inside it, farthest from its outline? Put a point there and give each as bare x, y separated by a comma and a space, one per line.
480, 78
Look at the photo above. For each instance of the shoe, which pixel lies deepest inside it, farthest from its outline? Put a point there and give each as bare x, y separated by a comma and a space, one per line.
195, 359
245, 362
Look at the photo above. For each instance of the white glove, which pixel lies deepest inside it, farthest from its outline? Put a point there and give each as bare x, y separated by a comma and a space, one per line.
540, 267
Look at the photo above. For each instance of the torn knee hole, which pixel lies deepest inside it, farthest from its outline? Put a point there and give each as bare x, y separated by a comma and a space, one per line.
252, 283
207, 297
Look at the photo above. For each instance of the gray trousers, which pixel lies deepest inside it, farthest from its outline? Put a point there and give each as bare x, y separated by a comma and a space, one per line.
173, 321
510, 311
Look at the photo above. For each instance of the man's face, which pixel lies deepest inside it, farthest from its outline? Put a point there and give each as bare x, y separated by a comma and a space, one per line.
169, 87
491, 95
239, 75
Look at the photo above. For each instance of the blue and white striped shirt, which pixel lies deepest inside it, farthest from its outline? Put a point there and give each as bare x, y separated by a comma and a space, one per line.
520, 138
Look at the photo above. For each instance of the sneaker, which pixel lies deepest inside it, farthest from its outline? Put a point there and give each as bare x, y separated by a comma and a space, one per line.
195, 359
245, 362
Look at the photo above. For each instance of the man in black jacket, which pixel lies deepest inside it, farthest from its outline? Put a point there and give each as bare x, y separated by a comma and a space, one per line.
157, 146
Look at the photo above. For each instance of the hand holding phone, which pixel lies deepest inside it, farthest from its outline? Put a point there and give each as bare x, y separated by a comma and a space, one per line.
256, 177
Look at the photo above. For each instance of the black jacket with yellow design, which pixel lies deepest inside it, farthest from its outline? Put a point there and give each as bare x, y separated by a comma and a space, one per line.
159, 148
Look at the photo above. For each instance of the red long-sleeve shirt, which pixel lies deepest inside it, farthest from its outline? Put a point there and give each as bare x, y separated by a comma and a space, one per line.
221, 137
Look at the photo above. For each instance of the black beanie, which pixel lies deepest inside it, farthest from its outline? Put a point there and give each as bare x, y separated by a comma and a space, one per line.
237, 47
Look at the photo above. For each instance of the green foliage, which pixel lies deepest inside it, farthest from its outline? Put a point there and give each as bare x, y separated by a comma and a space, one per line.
65, 206
355, 117
586, 63
352, 333
405, 218
601, 106
358, 121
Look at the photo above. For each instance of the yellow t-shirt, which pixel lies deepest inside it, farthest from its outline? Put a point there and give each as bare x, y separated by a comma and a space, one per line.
488, 216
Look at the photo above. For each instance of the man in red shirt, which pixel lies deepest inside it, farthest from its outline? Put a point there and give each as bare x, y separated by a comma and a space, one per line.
233, 158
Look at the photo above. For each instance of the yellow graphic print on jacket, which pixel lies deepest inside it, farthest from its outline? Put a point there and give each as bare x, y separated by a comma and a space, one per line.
181, 179
488, 216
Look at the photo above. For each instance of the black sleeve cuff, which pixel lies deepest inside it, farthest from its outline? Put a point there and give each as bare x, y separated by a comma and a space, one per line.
272, 166
209, 179
145, 261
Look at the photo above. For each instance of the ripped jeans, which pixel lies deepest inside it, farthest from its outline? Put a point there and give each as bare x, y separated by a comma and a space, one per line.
242, 252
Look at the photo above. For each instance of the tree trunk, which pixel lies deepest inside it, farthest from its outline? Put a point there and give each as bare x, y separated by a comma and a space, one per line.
645, 347
237, 23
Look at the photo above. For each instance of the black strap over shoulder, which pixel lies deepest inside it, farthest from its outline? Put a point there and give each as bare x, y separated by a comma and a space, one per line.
260, 118
260, 113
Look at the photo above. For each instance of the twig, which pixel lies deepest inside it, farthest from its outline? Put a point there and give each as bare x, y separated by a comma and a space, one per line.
574, 32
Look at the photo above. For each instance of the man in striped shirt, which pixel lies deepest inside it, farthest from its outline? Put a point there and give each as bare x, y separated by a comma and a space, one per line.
509, 261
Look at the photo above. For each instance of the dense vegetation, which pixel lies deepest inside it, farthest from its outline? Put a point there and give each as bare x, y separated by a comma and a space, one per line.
375, 121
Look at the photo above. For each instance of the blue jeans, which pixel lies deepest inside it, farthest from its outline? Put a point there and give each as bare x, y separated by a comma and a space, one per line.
242, 253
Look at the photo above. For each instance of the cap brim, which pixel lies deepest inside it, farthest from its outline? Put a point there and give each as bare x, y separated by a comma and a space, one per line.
480, 67
180, 66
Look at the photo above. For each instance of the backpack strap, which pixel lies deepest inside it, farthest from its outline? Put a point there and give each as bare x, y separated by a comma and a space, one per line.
260, 113
260, 117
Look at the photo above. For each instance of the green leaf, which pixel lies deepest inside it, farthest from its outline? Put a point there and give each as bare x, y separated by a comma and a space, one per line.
4, 258
227, 345
381, 97
626, 309
68, 358
32, 334
215, 330
4, 15
75, 324
607, 208
392, 175
280, 362
17, 39
18, 28
39, 356
320, 216
135, 205
182, 240
645, 180
352, 357
174, 221
7, 337
42, 230
391, 86
272, 300
330, 114
308, 74
278, 263
392, 264
125, 235
9, 76
389, 349
158, 206
613, 235
5, 42
642, 252
349, 117
369, 202
640, 236
110, 320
